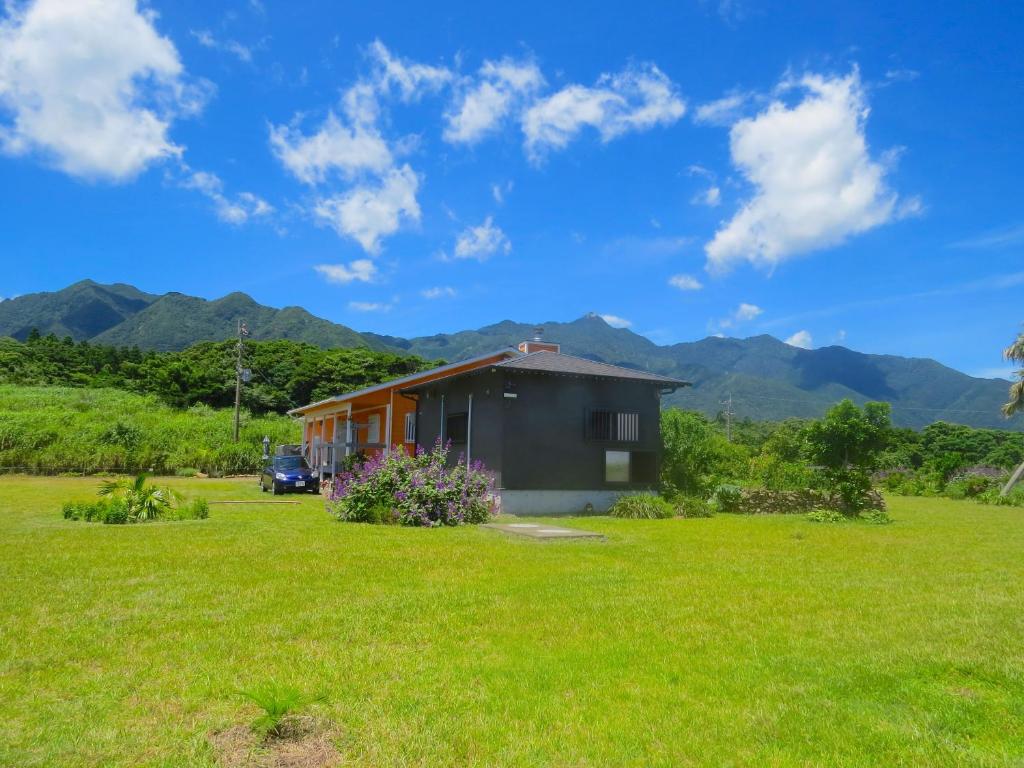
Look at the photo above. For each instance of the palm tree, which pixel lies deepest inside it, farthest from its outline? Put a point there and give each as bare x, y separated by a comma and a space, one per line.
142, 500
1015, 353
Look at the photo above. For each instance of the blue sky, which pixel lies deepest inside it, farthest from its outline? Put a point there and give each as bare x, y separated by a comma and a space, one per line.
824, 172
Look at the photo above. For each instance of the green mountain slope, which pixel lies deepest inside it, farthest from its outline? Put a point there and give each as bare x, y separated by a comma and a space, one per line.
81, 311
765, 378
175, 321
125, 316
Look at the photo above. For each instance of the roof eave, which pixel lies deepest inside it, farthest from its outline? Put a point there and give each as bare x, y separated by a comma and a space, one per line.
397, 382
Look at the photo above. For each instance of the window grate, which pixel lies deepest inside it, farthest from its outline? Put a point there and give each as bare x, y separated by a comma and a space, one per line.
621, 426
410, 427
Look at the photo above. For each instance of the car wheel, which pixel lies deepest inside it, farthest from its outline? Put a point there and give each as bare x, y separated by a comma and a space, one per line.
278, 490
262, 486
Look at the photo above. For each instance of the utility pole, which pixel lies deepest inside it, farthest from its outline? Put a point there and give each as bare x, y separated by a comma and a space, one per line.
239, 347
728, 416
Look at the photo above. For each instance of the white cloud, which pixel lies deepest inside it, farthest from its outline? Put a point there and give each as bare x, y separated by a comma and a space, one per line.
498, 191
361, 270
438, 292
724, 111
239, 210
235, 48
482, 106
801, 339
410, 79
377, 196
369, 306
840, 336
334, 147
636, 99
481, 242
747, 312
615, 321
998, 238
685, 282
710, 197
815, 182
902, 75
91, 86
742, 314
368, 213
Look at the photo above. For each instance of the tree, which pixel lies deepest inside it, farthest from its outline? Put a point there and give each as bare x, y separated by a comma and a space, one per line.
696, 456
847, 444
1015, 354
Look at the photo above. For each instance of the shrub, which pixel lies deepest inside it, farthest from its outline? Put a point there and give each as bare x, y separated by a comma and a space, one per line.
642, 506
421, 489
135, 501
277, 702
142, 500
76, 510
727, 498
186, 472
970, 484
193, 509
876, 517
693, 506
775, 474
111, 511
1014, 498
825, 516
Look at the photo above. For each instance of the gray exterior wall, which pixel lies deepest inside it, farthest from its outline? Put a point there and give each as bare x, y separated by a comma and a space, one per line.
537, 440
485, 442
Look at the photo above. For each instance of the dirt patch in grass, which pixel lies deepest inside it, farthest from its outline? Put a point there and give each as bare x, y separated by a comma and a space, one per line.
304, 742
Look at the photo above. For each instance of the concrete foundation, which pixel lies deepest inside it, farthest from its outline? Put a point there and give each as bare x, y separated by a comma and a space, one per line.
557, 502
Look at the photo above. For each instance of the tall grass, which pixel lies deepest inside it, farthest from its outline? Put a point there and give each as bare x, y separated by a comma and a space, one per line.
56, 429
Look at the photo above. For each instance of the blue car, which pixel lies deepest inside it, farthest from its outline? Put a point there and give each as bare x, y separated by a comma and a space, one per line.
289, 473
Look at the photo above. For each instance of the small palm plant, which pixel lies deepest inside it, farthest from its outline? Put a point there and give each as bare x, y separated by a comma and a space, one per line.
142, 500
278, 702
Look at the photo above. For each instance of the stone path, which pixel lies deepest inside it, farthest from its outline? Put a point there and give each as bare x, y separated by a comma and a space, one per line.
539, 531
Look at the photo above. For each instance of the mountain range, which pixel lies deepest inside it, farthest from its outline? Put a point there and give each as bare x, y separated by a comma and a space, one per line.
763, 377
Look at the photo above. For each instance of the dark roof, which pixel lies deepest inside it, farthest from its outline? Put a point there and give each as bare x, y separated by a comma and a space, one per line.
411, 379
556, 362
566, 365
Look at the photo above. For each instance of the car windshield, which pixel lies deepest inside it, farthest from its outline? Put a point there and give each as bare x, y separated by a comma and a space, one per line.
290, 462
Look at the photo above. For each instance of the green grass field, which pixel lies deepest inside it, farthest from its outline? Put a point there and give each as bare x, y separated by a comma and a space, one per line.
728, 641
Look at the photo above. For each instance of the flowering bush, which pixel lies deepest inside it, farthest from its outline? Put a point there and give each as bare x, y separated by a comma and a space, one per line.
413, 490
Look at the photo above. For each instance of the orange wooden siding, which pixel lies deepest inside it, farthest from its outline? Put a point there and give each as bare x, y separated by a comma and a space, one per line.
376, 403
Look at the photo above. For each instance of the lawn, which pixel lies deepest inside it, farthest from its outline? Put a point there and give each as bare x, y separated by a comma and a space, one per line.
726, 641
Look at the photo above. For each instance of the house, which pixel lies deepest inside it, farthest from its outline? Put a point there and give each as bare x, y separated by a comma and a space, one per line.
559, 431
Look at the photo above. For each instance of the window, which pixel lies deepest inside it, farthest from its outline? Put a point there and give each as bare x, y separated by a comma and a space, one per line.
457, 427
631, 467
410, 427
373, 428
616, 466
621, 426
